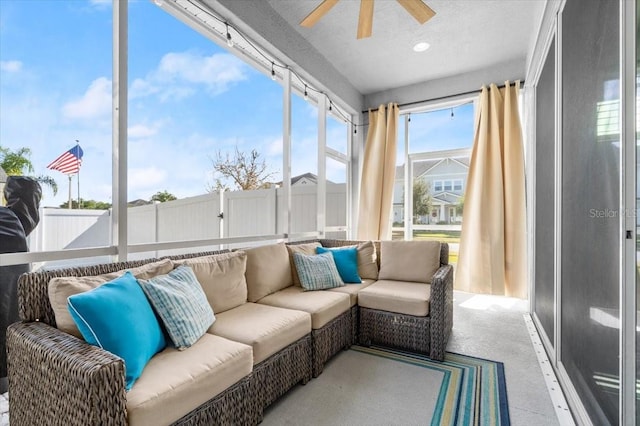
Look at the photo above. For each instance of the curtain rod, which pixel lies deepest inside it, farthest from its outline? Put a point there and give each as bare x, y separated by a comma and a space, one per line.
439, 98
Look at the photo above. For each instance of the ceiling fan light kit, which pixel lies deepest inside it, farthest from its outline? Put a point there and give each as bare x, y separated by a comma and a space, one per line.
416, 8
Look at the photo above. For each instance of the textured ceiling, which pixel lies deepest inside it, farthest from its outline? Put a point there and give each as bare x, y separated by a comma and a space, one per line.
465, 36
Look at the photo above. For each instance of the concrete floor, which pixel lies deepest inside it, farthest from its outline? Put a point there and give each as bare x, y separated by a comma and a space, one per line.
4, 409
493, 327
489, 327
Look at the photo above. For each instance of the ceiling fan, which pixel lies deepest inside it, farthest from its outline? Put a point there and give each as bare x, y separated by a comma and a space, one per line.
417, 8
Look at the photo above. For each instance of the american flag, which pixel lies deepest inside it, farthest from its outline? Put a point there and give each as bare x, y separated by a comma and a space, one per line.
69, 162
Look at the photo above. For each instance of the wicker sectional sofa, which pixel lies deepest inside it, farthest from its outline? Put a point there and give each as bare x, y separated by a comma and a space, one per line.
268, 336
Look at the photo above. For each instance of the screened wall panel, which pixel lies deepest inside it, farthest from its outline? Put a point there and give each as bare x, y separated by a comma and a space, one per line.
590, 204
544, 194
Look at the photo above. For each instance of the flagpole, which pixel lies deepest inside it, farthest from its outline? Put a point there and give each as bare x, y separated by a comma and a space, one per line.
78, 163
69, 205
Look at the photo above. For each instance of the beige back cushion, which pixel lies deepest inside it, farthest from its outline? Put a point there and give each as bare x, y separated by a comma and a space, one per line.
61, 288
414, 261
367, 260
268, 270
221, 277
308, 249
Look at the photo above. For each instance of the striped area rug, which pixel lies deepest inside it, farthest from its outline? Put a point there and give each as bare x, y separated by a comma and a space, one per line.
473, 391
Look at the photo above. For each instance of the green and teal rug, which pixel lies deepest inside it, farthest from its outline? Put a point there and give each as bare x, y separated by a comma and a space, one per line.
473, 391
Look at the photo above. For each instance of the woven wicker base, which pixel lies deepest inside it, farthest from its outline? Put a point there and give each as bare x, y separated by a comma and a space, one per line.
330, 339
57, 379
395, 330
234, 406
355, 324
280, 372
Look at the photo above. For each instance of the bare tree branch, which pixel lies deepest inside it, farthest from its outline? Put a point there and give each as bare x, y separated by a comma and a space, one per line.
245, 171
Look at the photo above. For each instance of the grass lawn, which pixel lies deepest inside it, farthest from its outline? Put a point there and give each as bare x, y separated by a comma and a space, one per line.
451, 237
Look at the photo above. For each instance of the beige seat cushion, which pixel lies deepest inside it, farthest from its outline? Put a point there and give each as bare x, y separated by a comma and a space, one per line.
265, 328
268, 270
403, 297
176, 382
353, 289
221, 277
322, 305
308, 249
61, 288
414, 261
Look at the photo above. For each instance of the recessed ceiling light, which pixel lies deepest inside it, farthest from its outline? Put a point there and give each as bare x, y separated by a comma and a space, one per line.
421, 47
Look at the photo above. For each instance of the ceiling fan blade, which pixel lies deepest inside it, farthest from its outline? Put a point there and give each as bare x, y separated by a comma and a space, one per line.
418, 9
317, 13
365, 21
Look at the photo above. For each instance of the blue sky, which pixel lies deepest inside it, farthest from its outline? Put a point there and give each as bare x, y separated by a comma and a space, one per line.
188, 98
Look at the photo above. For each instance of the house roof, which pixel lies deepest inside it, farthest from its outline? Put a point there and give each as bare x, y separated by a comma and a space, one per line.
419, 168
422, 167
309, 176
447, 198
138, 202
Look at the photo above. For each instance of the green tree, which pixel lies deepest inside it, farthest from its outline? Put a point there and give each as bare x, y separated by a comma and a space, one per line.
162, 196
240, 170
18, 163
87, 205
460, 206
422, 200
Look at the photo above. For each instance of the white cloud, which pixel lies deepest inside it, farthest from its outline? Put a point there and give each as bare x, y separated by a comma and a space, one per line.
179, 74
140, 88
274, 147
138, 131
100, 3
149, 177
96, 101
10, 66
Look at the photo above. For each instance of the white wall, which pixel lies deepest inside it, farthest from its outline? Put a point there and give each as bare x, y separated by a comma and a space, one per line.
449, 86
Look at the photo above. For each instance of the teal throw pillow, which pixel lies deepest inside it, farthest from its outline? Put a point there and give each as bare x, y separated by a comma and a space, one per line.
347, 262
317, 272
181, 304
118, 318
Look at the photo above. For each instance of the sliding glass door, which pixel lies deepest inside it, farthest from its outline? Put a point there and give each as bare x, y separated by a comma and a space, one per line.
590, 218
544, 297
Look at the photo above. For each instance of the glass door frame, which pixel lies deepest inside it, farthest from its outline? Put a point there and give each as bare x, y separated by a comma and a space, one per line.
426, 107
628, 148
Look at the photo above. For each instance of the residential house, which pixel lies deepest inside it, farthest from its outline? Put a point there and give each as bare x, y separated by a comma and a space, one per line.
445, 174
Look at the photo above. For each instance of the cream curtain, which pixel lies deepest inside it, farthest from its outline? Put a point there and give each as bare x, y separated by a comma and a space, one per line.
378, 174
492, 256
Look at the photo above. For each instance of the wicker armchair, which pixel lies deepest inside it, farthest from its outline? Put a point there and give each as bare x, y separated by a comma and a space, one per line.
428, 335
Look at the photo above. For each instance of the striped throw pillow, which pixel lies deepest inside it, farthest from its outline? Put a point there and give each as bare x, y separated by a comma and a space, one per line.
317, 272
181, 304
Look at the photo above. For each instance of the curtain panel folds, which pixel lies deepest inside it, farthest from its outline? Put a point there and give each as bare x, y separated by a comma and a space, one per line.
492, 254
378, 174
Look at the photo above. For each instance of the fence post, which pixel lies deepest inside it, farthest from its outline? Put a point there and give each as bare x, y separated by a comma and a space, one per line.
220, 215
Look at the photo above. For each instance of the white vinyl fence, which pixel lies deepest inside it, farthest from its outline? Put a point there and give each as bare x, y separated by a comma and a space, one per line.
232, 214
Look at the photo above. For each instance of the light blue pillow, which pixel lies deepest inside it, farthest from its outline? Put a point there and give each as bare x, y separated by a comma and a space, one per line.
317, 272
118, 318
347, 262
181, 304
